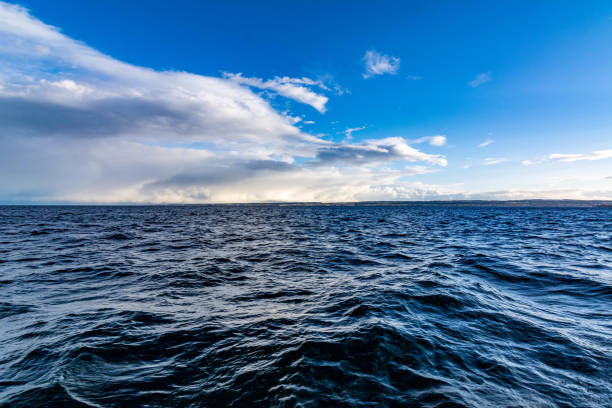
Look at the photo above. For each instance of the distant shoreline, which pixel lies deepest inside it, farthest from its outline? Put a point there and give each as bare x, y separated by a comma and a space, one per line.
441, 203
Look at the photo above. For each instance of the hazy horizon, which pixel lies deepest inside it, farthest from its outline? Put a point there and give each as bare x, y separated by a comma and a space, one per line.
569, 203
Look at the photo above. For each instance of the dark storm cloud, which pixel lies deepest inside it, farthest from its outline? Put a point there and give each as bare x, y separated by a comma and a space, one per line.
221, 172
99, 118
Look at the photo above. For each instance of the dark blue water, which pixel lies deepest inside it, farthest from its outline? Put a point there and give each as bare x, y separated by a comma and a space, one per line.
248, 306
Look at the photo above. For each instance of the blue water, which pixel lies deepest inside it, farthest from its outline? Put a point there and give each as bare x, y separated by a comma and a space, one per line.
340, 306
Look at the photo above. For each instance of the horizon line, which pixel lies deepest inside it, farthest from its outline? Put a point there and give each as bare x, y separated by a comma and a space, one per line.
541, 202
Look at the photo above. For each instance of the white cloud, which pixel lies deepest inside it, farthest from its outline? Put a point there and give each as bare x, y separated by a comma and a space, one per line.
376, 151
485, 143
292, 88
480, 79
78, 125
308, 122
378, 64
570, 157
494, 160
596, 155
532, 194
348, 132
438, 140
73, 90
417, 170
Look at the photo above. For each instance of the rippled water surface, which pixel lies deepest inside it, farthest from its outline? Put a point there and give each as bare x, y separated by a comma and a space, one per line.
337, 306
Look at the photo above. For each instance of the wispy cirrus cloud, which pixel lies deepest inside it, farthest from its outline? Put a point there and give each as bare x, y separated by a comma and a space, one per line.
348, 132
292, 88
494, 160
418, 170
438, 140
596, 155
485, 143
480, 79
379, 64
569, 157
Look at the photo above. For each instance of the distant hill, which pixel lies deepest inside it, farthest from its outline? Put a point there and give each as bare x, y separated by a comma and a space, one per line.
442, 203
463, 203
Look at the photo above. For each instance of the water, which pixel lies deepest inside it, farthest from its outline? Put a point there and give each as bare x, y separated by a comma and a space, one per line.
196, 306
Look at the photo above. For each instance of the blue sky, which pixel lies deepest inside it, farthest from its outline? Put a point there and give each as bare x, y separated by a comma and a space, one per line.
518, 96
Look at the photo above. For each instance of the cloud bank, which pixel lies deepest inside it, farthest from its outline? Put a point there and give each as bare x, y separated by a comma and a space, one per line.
78, 125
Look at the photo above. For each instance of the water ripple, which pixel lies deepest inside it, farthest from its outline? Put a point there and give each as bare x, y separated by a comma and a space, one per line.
198, 306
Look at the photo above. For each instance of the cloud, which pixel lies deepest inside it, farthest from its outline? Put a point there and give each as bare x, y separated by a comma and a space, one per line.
327, 82
218, 172
539, 194
111, 170
417, 170
292, 88
485, 143
570, 157
480, 79
78, 125
308, 122
596, 155
494, 160
348, 132
376, 151
377, 64
71, 89
438, 140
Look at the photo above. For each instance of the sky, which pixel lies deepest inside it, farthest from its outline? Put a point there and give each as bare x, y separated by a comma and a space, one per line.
273, 101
